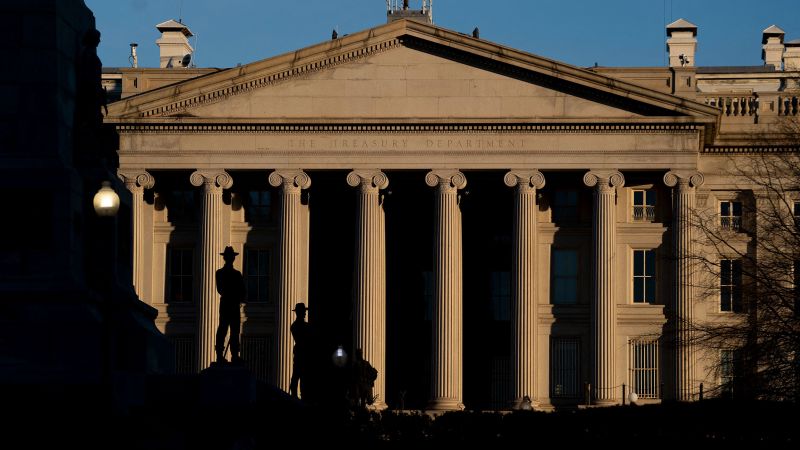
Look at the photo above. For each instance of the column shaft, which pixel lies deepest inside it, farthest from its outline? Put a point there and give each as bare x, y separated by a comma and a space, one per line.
603, 308
369, 303
682, 301
211, 244
290, 287
136, 182
523, 275
446, 364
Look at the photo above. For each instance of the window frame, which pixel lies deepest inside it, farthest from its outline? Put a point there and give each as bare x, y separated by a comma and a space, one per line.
651, 278
735, 296
554, 276
170, 277
563, 212
248, 251
648, 209
644, 379
730, 221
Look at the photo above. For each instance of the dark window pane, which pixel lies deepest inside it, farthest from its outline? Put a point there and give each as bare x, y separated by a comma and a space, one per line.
638, 289
638, 262
651, 197
725, 298
725, 208
650, 290
737, 208
650, 262
725, 272
638, 197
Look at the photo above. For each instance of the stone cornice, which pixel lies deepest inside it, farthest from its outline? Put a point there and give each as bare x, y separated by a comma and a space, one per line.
334, 128
754, 149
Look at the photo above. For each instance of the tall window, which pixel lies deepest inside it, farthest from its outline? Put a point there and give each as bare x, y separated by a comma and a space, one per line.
644, 276
256, 269
730, 285
180, 275
565, 358
643, 367
565, 206
796, 213
644, 205
185, 354
730, 370
501, 295
565, 277
258, 207
730, 215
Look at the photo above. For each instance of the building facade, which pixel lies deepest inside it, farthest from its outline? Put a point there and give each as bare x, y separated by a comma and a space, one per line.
486, 224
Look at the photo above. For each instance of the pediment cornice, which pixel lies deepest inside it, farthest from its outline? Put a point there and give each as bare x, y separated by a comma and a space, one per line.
178, 100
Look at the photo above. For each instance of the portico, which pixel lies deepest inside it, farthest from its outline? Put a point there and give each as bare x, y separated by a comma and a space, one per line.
412, 102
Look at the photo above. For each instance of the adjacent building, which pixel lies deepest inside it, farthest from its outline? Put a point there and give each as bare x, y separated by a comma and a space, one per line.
485, 223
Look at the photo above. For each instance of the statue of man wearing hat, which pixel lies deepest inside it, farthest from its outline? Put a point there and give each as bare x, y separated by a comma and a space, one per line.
230, 286
301, 332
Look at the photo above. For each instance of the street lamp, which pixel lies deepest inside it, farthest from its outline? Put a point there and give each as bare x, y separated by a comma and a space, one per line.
106, 201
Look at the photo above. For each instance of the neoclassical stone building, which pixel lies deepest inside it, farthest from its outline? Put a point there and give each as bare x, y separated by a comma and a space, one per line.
485, 223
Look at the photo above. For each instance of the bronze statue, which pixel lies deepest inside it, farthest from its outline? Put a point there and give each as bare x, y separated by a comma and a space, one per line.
301, 332
230, 286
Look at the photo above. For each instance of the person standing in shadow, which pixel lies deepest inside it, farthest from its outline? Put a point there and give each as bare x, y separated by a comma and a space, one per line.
230, 286
301, 332
363, 378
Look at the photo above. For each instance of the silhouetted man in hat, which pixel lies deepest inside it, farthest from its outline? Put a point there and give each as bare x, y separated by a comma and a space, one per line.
230, 286
301, 332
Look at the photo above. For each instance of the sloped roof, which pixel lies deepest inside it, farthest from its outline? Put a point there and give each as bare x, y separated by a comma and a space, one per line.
169, 102
174, 25
681, 24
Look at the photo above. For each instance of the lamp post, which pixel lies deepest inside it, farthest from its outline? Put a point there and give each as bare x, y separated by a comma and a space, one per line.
106, 205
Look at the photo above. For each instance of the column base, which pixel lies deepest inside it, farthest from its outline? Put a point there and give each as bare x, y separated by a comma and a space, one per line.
378, 406
444, 404
524, 404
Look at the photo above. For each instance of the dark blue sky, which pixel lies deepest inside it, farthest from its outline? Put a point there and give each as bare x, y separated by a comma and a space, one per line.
580, 32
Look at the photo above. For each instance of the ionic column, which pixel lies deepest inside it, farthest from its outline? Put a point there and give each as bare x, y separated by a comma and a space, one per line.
137, 181
681, 307
369, 305
446, 383
523, 276
290, 289
211, 245
603, 309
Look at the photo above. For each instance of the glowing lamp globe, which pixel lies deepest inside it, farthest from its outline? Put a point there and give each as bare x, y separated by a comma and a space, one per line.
339, 357
106, 201
634, 397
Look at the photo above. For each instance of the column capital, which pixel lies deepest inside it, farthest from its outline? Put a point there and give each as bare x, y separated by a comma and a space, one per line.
136, 180
369, 180
525, 179
213, 180
447, 179
683, 179
290, 179
604, 179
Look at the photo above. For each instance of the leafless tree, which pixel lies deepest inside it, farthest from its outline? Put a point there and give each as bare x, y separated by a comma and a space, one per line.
747, 258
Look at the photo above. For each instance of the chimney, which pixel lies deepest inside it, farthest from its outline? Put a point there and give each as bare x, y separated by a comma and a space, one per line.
173, 45
791, 57
682, 43
772, 40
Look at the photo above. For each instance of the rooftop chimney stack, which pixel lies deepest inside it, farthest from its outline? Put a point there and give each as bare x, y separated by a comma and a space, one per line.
395, 10
134, 59
682, 43
173, 45
791, 56
772, 40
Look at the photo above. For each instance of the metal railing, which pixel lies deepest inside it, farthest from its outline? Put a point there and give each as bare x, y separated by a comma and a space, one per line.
732, 223
644, 213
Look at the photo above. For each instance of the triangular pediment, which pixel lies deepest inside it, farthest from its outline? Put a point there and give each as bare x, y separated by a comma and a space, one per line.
404, 71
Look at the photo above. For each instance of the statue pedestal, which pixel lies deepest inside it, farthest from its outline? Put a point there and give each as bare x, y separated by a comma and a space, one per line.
227, 384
